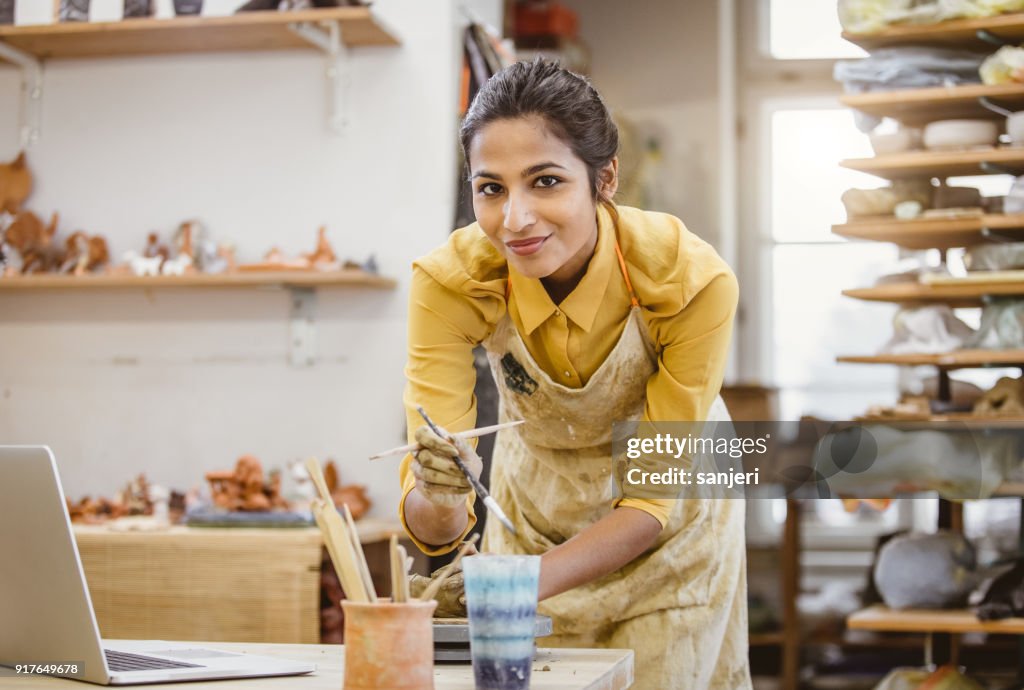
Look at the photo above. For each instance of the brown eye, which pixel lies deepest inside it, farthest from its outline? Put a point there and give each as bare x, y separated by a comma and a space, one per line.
489, 189
547, 181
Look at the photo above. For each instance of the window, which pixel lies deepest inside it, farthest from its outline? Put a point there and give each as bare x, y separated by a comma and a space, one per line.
806, 30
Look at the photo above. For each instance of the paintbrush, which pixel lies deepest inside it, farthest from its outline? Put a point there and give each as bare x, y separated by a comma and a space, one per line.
472, 433
434, 587
491, 504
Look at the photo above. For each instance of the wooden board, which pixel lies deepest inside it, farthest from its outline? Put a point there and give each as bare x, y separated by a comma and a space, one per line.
46, 281
916, 107
941, 164
938, 233
569, 669
956, 295
882, 619
244, 31
961, 33
961, 359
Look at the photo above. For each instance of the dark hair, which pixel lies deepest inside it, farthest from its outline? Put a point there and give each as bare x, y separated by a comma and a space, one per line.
567, 101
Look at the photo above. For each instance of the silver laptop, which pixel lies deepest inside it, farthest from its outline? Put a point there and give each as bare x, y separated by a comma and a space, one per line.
46, 616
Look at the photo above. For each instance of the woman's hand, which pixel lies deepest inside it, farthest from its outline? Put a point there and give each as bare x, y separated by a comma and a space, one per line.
438, 478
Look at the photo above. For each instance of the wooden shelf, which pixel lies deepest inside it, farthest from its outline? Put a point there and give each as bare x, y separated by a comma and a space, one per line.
882, 619
917, 107
960, 359
929, 233
1010, 160
287, 279
957, 296
238, 32
770, 639
960, 33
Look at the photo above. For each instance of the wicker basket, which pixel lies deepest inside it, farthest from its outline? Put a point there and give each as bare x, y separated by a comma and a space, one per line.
231, 585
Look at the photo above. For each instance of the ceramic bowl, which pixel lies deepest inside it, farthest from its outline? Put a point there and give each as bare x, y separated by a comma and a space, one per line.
1015, 128
895, 142
956, 134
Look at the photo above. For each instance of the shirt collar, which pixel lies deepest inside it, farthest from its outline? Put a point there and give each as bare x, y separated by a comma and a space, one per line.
581, 305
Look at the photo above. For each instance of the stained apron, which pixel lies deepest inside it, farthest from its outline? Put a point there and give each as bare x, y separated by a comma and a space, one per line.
681, 606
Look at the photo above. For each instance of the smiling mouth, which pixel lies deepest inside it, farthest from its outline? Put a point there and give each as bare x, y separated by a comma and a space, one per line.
527, 247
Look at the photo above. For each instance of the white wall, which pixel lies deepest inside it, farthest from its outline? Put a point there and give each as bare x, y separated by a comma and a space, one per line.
176, 383
656, 63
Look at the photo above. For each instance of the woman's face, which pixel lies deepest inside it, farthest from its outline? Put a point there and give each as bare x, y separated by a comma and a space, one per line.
532, 197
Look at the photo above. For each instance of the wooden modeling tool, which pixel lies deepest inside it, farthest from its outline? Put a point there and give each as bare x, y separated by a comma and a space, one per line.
491, 504
472, 433
336, 538
399, 577
364, 570
434, 587
406, 562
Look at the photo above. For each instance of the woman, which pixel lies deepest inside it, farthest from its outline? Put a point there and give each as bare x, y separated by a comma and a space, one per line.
590, 314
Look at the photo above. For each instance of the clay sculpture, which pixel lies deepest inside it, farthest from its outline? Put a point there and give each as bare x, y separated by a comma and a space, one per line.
15, 184
352, 495
34, 243
1005, 399
245, 488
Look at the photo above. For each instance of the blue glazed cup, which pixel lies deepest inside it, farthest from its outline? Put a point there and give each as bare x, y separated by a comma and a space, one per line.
501, 598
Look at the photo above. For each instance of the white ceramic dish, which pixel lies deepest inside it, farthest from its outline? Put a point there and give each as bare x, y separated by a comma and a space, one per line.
895, 142
1015, 128
959, 134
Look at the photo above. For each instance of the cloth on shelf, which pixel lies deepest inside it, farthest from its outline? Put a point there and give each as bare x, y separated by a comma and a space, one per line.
995, 257
1014, 201
1002, 596
1004, 399
1001, 328
926, 571
913, 67
910, 270
930, 329
875, 460
872, 16
942, 678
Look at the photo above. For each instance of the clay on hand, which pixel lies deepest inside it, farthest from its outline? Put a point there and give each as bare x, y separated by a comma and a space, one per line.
451, 598
438, 478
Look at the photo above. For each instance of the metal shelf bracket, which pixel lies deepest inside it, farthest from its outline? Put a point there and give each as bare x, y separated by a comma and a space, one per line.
986, 103
990, 38
302, 349
998, 169
338, 70
31, 92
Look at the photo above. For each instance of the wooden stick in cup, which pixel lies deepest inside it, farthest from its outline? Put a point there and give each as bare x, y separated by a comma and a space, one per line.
336, 537
340, 549
357, 547
405, 562
397, 572
434, 587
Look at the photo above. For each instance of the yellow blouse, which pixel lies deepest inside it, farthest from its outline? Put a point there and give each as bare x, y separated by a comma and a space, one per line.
688, 297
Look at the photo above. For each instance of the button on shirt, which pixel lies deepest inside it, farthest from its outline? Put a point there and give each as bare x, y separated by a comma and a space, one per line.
687, 294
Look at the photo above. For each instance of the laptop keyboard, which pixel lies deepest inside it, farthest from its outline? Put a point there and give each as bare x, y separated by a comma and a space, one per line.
122, 661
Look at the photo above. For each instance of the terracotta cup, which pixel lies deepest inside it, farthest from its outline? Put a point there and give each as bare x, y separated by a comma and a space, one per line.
389, 646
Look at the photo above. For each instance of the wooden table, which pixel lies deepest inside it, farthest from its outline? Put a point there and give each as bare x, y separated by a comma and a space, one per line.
571, 669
